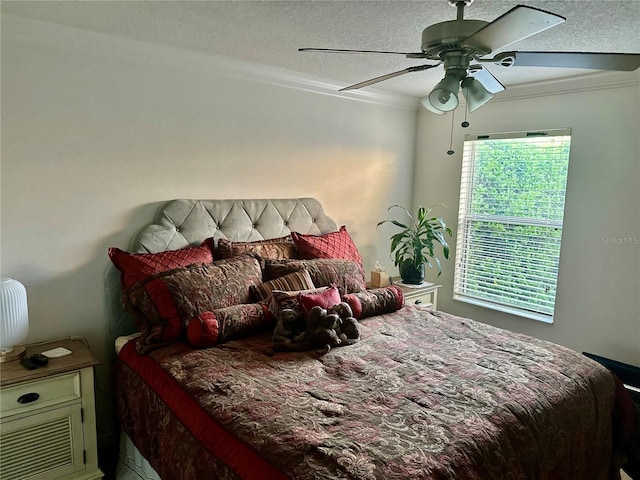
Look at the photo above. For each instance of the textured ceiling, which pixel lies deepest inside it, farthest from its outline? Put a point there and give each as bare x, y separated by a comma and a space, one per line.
270, 32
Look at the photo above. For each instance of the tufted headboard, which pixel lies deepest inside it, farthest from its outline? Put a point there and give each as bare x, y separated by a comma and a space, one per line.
181, 223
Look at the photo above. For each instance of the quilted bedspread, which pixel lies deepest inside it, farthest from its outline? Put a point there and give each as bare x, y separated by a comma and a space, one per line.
422, 396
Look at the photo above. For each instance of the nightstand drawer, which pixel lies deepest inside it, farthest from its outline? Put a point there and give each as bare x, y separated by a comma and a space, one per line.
424, 300
424, 295
39, 393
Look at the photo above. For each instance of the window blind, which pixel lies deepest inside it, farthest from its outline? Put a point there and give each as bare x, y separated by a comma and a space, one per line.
511, 212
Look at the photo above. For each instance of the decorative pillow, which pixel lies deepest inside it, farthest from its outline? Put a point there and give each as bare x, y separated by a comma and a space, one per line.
330, 245
293, 281
375, 301
211, 328
281, 299
326, 299
164, 303
282, 247
345, 274
138, 266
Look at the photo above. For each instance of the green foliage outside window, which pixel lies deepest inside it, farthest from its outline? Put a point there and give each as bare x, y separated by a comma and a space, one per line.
516, 180
512, 206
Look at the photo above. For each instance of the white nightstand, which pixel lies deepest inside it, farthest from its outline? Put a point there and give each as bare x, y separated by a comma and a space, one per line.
47, 417
425, 295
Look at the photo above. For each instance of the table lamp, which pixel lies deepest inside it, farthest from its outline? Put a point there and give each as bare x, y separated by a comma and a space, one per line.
14, 319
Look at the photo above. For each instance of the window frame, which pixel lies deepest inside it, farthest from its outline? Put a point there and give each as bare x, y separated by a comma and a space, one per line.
461, 291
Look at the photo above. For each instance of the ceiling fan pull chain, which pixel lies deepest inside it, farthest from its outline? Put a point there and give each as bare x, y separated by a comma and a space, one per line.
450, 151
465, 124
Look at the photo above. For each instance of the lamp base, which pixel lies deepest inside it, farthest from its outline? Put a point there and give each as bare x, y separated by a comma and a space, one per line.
15, 354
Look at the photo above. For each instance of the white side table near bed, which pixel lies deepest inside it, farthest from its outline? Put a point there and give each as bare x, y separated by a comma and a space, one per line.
47, 416
424, 294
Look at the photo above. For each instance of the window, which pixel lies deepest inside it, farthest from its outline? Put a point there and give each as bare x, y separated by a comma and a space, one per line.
510, 221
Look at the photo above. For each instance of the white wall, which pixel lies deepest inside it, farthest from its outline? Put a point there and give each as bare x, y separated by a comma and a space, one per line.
598, 298
98, 131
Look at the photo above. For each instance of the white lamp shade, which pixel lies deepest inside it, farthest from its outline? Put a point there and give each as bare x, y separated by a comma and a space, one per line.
444, 96
475, 93
427, 104
14, 316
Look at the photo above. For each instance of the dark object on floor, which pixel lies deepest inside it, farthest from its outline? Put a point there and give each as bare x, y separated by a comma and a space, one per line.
628, 378
629, 374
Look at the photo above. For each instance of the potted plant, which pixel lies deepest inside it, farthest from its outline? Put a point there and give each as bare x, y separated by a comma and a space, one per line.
414, 246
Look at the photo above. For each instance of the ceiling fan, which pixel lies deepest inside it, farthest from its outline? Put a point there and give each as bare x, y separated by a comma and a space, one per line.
463, 46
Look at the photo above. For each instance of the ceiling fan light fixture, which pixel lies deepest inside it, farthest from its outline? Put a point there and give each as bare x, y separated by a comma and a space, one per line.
444, 97
475, 93
427, 104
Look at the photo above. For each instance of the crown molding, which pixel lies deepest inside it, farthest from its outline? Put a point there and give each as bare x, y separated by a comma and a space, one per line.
36, 32
576, 84
564, 86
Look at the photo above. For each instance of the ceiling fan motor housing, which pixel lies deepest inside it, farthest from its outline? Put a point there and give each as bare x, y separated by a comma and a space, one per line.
447, 36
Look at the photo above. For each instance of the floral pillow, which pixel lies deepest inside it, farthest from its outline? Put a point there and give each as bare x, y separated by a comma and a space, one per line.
375, 301
282, 247
324, 272
210, 328
138, 266
163, 304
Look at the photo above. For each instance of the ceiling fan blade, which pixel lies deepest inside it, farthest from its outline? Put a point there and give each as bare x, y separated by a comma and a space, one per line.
517, 24
486, 78
366, 83
338, 50
597, 61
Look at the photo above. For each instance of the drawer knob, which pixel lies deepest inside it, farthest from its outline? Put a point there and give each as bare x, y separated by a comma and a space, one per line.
28, 397
418, 302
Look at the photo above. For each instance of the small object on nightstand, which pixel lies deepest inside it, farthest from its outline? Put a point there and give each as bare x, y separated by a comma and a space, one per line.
39, 359
28, 363
34, 361
56, 352
379, 278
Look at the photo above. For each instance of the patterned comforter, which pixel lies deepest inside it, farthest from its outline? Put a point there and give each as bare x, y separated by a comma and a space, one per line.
422, 396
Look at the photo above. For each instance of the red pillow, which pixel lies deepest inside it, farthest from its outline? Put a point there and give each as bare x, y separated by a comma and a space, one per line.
375, 301
203, 330
326, 299
162, 304
212, 327
330, 245
281, 299
138, 266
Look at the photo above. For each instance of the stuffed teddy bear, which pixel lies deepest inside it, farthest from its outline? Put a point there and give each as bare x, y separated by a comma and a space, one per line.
342, 309
349, 329
290, 327
288, 333
325, 329
322, 328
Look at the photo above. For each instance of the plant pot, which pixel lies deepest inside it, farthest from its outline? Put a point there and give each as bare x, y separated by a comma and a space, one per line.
412, 275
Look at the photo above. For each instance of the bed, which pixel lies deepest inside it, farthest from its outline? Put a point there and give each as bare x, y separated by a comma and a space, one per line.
421, 395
